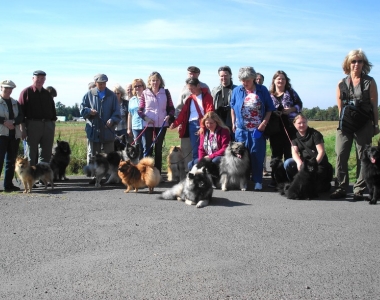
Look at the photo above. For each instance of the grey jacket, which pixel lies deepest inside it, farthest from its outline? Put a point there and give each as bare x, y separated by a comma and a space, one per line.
108, 109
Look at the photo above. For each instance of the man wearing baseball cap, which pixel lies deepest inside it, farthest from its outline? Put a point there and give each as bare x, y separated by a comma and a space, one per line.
192, 72
39, 112
101, 110
10, 134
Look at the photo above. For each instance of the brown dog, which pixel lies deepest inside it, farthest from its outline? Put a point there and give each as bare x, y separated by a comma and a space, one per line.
140, 175
29, 175
176, 164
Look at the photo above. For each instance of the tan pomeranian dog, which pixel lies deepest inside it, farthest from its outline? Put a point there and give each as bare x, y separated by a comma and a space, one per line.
176, 164
29, 175
140, 175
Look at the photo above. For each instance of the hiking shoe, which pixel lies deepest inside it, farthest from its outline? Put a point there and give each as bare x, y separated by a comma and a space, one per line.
272, 184
258, 187
338, 194
358, 197
11, 189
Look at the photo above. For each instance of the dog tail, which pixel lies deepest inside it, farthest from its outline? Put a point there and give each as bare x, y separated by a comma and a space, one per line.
147, 161
174, 193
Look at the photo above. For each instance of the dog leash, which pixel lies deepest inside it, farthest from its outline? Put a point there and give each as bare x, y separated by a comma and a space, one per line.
155, 138
141, 133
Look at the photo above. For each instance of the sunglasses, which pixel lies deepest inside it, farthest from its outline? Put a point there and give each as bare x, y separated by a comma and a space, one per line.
138, 86
360, 61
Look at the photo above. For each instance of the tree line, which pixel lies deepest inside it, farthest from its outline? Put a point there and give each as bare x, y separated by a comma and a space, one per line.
315, 113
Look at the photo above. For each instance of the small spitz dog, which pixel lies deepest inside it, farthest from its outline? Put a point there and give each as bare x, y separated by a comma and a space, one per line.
132, 153
195, 189
176, 164
60, 160
371, 171
102, 164
234, 167
140, 175
304, 184
29, 175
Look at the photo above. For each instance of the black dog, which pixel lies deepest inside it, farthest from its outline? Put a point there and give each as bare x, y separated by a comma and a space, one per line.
120, 142
60, 160
279, 173
304, 185
371, 172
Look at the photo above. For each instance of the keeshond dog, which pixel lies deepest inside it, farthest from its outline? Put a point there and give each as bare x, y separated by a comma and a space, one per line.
60, 160
195, 189
234, 167
176, 164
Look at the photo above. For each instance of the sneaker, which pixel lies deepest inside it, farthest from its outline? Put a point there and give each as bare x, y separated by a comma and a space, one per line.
258, 187
272, 184
11, 189
338, 194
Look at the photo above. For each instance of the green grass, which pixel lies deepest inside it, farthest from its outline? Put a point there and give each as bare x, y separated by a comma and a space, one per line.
74, 133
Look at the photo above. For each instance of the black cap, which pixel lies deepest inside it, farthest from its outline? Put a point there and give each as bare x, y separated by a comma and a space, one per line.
39, 73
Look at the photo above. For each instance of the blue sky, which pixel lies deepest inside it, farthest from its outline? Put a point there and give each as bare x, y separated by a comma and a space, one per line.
74, 40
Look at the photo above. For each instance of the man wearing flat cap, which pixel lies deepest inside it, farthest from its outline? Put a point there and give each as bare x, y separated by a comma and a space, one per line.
101, 110
39, 112
10, 134
192, 72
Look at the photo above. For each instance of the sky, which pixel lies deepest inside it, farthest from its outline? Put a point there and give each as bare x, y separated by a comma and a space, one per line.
74, 40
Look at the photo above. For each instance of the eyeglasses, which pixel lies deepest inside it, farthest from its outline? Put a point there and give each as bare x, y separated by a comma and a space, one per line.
359, 61
138, 86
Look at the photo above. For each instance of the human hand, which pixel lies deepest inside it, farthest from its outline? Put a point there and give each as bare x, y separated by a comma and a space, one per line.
93, 112
9, 124
149, 120
109, 123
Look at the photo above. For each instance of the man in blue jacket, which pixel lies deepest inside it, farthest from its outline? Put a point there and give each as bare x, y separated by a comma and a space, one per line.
101, 110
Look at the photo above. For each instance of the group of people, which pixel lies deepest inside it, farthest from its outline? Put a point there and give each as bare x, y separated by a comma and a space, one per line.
206, 120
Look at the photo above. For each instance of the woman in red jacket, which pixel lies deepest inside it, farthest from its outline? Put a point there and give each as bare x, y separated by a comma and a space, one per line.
214, 137
196, 105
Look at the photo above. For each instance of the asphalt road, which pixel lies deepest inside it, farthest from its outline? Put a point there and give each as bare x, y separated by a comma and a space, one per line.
79, 242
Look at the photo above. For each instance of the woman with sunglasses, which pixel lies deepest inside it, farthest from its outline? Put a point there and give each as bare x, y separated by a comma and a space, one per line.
121, 127
135, 123
358, 90
157, 110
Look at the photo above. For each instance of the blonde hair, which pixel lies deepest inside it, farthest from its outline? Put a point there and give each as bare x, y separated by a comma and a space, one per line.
155, 75
119, 89
134, 82
299, 116
346, 65
214, 116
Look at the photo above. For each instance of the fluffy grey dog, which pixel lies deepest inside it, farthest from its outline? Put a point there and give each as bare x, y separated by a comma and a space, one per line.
195, 189
234, 167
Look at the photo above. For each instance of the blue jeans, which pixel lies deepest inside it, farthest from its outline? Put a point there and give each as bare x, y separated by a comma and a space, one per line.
290, 167
194, 139
8, 153
256, 149
215, 160
141, 141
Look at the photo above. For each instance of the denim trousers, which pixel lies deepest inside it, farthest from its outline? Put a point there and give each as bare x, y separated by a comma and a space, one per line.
194, 139
141, 141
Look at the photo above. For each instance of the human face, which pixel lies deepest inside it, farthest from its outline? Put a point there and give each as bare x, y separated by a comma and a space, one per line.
210, 124
129, 90
356, 64
155, 82
6, 92
225, 78
138, 86
38, 81
192, 74
194, 89
301, 125
101, 86
259, 79
118, 94
280, 82
248, 84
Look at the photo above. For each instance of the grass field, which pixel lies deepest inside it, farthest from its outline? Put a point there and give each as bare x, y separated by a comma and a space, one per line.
74, 133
